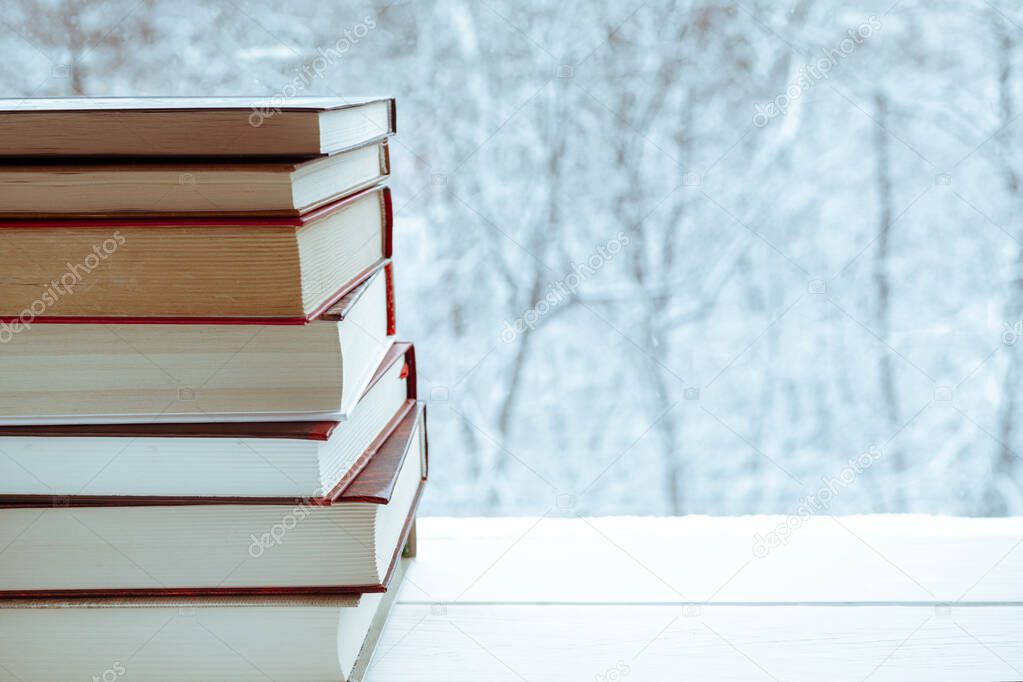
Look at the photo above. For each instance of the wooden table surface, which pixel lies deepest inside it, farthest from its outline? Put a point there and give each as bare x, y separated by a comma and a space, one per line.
753, 598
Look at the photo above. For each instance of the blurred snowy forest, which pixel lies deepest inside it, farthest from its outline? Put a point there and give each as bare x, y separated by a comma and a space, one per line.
669, 257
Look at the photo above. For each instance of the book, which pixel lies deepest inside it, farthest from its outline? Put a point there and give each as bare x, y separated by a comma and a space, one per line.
191, 126
190, 269
186, 639
198, 460
65, 546
152, 373
46, 188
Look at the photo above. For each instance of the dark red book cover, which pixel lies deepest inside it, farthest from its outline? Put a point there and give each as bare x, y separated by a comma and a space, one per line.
340, 308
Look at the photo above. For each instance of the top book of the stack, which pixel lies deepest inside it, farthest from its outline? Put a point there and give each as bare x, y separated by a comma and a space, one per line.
213, 127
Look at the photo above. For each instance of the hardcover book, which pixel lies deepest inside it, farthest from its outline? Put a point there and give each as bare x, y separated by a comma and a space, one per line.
214, 187
219, 187
191, 126
190, 269
195, 639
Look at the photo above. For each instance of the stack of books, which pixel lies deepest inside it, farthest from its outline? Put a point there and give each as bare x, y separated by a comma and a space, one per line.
211, 452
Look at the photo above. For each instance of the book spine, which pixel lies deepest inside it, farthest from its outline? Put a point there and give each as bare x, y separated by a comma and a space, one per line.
388, 215
392, 324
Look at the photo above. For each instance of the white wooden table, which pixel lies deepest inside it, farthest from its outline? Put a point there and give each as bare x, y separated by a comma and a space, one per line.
848, 598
